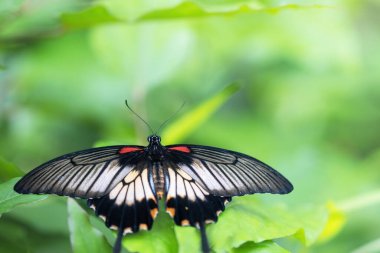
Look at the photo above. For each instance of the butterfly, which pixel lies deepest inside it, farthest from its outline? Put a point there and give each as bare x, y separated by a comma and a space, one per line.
123, 184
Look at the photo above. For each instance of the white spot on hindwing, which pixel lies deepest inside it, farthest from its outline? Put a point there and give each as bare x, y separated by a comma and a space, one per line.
114, 227
130, 200
172, 184
127, 231
140, 196
121, 197
115, 191
181, 191
190, 192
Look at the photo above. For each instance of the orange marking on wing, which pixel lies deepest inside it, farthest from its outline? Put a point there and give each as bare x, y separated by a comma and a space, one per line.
128, 149
170, 211
154, 212
181, 149
185, 222
143, 226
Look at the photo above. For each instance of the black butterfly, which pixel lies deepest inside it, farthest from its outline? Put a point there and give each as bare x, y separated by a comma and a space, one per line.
124, 183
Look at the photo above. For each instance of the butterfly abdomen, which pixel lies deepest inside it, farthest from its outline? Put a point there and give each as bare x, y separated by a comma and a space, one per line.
158, 179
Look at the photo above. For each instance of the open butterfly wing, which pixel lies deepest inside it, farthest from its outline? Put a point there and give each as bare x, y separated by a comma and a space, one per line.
188, 203
85, 174
132, 204
227, 173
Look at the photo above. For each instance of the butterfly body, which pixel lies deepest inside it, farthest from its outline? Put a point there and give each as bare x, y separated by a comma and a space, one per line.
123, 184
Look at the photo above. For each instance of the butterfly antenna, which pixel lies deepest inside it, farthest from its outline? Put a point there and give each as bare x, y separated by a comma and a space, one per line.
205, 244
138, 116
171, 117
117, 246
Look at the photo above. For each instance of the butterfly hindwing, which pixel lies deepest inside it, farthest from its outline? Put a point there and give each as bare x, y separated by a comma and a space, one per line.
131, 205
86, 174
187, 202
227, 173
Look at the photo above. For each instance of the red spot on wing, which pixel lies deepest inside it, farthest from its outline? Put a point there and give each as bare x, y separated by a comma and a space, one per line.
129, 149
181, 149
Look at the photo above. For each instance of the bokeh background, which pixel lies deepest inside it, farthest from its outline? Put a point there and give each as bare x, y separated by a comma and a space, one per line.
307, 102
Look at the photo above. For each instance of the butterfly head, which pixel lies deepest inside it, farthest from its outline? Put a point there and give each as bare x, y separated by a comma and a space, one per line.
154, 139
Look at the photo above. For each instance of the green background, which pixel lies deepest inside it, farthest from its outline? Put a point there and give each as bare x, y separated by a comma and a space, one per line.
307, 102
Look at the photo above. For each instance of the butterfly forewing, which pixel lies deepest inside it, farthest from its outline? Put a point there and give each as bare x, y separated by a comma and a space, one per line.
86, 174
227, 173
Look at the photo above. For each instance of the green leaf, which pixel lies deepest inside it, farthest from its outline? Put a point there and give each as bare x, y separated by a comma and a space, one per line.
192, 10
83, 236
160, 239
186, 9
8, 170
182, 127
10, 199
248, 220
335, 222
86, 18
17, 235
263, 247
338, 212
107, 12
189, 241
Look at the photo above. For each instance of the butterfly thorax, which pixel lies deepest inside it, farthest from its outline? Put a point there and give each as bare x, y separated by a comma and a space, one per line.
155, 149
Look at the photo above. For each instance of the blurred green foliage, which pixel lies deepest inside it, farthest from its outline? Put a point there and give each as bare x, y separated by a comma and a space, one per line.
84, 238
308, 105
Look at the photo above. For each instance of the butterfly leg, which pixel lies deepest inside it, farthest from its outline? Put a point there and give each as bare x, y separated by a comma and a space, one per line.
117, 245
205, 244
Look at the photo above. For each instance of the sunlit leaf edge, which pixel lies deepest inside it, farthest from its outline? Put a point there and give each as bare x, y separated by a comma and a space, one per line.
182, 127
99, 14
256, 221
